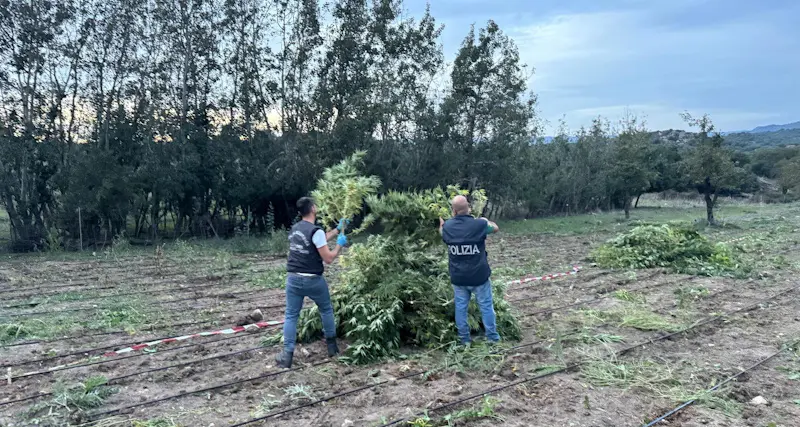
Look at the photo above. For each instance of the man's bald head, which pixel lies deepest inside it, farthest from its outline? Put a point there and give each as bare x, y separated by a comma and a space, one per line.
460, 205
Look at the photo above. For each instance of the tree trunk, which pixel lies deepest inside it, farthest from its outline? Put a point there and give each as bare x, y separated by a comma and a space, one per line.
709, 208
627, 207
637, 201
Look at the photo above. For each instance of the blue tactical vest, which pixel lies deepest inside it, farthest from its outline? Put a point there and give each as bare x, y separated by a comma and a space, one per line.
303, 254
465, 237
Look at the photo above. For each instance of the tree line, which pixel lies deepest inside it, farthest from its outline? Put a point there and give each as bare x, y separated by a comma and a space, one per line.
153, 118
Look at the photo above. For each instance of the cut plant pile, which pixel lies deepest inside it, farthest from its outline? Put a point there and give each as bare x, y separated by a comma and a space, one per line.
395, 288
681, 249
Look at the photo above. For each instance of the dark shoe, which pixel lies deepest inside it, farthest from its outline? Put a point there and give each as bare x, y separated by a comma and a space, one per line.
333, 349
284, 359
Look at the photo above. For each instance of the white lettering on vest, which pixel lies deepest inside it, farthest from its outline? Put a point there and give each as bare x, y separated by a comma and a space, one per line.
464, 249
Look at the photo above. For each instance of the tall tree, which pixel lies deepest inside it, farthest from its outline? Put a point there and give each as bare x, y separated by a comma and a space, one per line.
488, 113
709, 165
629, 171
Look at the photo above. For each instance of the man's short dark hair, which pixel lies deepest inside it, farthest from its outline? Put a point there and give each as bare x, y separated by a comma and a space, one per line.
304, 205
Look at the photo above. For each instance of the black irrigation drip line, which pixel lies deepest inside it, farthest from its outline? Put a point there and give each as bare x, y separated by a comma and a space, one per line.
82, 352
602, 292
134, 374
604, 296
205, 390
84, 281
326, 399
123, 294
226, 295
101, 334
144, 284
120, 332
117, 410
369, 386
587, 277
571, 367
713, 389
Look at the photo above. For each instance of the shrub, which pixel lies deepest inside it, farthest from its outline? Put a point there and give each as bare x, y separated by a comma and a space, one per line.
682, 249
394, 291
341, 191
395, 288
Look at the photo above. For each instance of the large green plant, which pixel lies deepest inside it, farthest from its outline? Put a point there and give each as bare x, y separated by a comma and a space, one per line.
395, 287
395, 290
341, 191
416, 214
680, 248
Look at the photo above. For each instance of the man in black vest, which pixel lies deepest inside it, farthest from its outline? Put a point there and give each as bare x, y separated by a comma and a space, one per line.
465, 237
308, 249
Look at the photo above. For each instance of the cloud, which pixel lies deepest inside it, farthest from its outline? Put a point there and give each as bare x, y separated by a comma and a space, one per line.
659, 59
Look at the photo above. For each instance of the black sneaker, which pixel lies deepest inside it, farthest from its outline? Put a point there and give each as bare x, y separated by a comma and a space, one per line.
333, 348
284, 359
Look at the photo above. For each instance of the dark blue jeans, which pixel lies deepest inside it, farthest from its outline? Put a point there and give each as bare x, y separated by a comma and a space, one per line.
483, 295
297, 288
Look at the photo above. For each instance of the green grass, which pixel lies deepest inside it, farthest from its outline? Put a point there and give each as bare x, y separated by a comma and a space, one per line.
654, 379
612, 372
127, 314
732, 214
271, 279
155, 422
70, 402
628, 296
685, 296
644, 320
631, 315
484, 410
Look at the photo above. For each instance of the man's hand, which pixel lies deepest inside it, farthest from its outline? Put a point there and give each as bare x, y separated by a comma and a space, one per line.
341, 240
491, 225
331, 234
441, 225
342, 223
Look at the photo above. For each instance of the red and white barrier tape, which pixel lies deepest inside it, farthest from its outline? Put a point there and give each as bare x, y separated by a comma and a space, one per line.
551, 276
234, 330
142, 346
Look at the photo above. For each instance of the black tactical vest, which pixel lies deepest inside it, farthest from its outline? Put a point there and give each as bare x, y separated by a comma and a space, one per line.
465, 237
303, 254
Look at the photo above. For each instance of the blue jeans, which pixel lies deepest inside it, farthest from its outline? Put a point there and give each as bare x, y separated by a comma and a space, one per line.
297, 288
483, 294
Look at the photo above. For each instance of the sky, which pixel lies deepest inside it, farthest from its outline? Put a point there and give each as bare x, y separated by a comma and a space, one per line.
736, 60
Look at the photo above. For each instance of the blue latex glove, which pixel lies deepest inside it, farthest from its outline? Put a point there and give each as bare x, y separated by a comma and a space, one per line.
342, 223
341, 240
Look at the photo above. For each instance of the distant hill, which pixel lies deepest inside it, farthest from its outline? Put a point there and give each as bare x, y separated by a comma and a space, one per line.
760, 137
775, 128
749, 141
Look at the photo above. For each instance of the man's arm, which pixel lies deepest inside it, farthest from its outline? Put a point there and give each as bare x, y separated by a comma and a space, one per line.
320, 240
491, 227
327, 254
441, 225
331, 234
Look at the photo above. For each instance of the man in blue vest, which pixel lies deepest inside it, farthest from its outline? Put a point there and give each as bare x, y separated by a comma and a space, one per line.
465, 237
308, 249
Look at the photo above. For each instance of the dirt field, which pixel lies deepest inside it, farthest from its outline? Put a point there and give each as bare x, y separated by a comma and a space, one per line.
600, 348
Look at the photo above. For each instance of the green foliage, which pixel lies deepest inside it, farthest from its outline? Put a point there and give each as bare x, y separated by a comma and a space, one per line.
416, 214
646, 374
10, 332
485, 410
341, 191
687, 295
271, 279
71, 401
629, 172
680, 248
155, 422
395, 290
